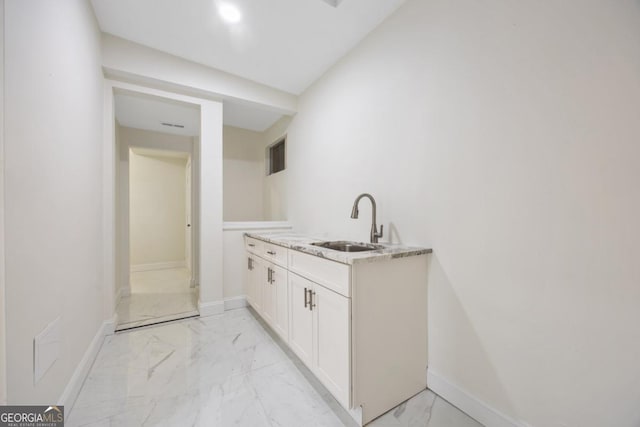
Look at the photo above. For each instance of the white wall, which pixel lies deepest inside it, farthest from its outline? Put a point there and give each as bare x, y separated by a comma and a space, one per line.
53, 187
130, 61
243, 164
275, 185
505, 136
157, 203
3, 354
141, 138
210, 210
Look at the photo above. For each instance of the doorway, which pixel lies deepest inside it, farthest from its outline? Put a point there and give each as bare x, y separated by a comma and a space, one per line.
156, 203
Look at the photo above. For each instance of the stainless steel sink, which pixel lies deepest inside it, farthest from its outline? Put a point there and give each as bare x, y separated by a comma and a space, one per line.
344, 246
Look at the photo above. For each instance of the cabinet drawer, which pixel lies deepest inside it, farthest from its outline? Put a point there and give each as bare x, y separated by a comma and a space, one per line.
253, 245
275, 253
330, 274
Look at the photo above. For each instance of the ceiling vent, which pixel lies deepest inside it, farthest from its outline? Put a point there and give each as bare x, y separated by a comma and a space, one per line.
172, 125
334, 3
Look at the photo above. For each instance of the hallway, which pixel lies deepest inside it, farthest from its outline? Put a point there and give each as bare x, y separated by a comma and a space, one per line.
157, 296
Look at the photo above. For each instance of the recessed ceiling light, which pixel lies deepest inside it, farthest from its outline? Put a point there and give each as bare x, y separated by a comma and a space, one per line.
230, 13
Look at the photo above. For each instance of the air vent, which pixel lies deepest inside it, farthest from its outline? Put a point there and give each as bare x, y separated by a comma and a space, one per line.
173, 125
334, 3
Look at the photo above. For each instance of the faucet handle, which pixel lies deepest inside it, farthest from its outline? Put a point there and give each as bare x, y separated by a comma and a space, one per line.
381, 231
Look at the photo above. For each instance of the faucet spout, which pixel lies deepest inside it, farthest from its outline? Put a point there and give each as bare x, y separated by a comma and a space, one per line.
374, 228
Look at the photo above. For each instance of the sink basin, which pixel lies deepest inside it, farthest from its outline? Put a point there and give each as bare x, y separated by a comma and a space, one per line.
344, 246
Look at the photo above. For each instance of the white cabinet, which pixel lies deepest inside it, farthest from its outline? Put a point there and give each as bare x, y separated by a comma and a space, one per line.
268, 296
319, 333
275, 309
331, 335
360, 328
254, 288
267, 293
280, 301
301, 318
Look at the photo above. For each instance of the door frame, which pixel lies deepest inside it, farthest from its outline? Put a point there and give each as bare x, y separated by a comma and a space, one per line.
207, 240
124, 184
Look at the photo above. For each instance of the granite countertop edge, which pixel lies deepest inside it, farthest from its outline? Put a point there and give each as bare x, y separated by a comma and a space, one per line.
303, 243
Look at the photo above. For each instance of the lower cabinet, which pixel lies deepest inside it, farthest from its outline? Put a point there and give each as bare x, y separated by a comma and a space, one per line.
280, 291
254, 289
267, 293
361, 329
301, 322
319, 334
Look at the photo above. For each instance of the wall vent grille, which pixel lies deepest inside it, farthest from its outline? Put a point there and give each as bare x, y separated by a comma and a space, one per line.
173, 125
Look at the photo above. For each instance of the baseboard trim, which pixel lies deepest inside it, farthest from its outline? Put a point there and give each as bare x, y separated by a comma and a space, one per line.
467, 403
210, 308
158, 266
71, 391
235, 302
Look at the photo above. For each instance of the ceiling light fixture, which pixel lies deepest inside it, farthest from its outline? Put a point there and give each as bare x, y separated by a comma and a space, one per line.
230, 13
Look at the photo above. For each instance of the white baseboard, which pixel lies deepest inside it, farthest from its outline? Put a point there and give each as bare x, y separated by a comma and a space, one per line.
467, 403
158, 266
210, 308
235, 302
71, 391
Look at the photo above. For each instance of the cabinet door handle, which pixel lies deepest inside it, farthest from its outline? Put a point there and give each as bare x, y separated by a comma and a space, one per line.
271, 252
306, 303
311, 304
250, 263
269, 275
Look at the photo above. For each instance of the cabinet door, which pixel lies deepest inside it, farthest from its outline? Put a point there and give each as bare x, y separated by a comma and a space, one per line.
332, 330
300, 318
254, 291
248, 280
279, 287
268, 295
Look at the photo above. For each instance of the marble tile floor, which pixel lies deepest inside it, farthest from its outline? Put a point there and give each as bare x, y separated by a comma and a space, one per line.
157, 296
225, 370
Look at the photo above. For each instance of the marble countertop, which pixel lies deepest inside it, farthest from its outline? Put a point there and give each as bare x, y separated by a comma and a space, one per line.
303, 243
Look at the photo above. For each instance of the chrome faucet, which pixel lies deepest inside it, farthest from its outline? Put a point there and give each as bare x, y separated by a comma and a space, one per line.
374, 227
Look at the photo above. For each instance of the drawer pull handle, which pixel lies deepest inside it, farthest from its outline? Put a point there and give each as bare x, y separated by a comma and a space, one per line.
252, 245
271, 253
306, 303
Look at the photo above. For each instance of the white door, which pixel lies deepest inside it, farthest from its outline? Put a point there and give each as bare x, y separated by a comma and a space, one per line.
331, 331
280, 295
301, 318
188, 225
